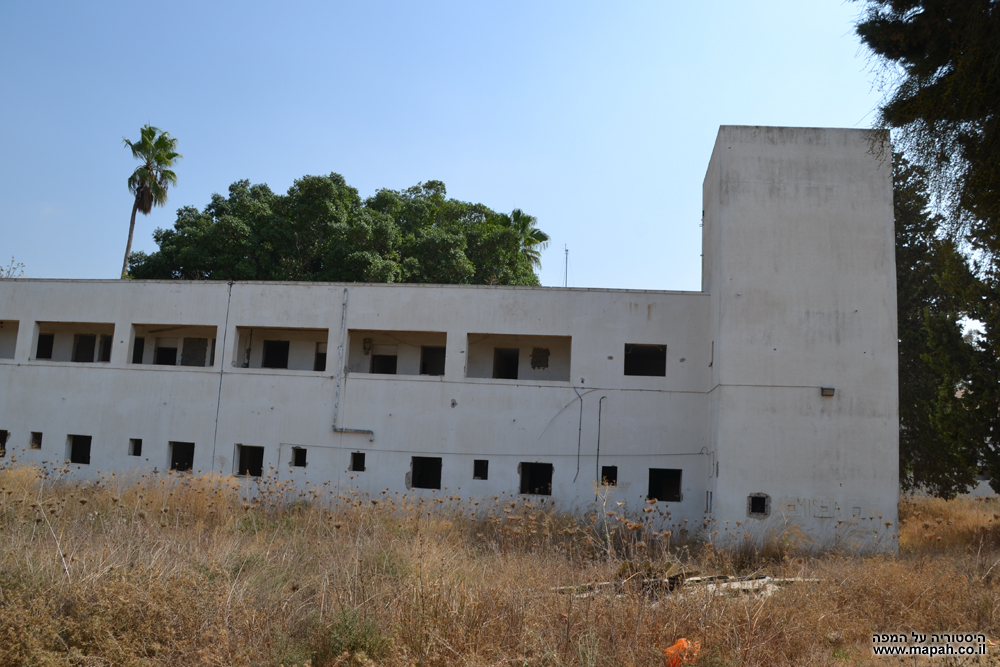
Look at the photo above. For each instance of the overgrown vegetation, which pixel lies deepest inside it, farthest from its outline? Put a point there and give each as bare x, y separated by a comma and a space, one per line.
182, 569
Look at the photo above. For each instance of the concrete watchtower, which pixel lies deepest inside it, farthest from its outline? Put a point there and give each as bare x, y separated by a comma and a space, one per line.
799, 261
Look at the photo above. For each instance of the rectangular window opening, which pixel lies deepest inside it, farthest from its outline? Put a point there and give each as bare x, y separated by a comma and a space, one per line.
357, 462
45, 343
505, 360
649, 360
609, 475
181, 456
385, 359
536, 479
758, 505
83, 348
319, 362
665, 485
3, 442
425, 472
138, 348
251, 460
480, 469
104, 349
36, 440
79, 449
135, 447
165, 356
431, 360
275, 354
8, 338
298, 457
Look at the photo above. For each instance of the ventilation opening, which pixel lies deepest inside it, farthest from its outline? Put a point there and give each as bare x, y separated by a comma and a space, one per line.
645, 360
251, 460
480, 469
79, 449
609, 475
36, 440
426, 472
536, 478
298, 457
665, 485
358, 462
758, 505
45, 343
83, 348
275, 354
135, 447
505, 363
319, 362
181, 456
431, 360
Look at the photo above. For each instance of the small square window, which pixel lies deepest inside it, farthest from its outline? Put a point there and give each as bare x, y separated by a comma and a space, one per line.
298, 457
432, 360
36, 440
758, 505
609, 475
165, 356
357, 462
45, 343
536, 479
665, 485
79, 449
425, 472
505, 361
135, 447
181, 456
646, 360
251, 460
480, 469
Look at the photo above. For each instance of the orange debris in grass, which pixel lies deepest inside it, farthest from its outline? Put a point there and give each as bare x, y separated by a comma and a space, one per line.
682, 652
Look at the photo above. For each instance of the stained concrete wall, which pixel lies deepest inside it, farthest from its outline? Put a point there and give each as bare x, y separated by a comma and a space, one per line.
798, 294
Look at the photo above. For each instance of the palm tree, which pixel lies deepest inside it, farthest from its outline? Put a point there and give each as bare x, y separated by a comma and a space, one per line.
150, 180
533, 240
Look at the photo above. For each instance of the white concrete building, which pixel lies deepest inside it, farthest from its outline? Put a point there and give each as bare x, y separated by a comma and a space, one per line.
769, 397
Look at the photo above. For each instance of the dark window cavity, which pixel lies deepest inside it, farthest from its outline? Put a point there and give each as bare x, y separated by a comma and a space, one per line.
135, 447
181, 456
138, 348
104, 349
431, 360
79, 449
665, 485
480, 469
426, 472
83, 348
44, 350
536, 478
384, 364
319, 363
357, 462
645, 360
609, 475
275, 354
165, 356
758, 505
505, 363
36, 440
195, 352
3, 442
251, 460
539, 357
299, 457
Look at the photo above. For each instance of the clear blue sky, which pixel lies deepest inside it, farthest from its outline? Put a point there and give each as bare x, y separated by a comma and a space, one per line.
597, 118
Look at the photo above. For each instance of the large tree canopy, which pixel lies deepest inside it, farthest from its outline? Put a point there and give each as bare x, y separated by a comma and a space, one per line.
322, 230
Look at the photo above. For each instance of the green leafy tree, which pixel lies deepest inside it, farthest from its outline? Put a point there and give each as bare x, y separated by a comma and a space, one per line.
157, 152
322, 230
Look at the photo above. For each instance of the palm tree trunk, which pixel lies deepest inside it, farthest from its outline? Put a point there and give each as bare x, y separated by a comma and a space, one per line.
128, 246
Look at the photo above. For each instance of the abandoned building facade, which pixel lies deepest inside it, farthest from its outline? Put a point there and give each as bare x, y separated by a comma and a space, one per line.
769, 397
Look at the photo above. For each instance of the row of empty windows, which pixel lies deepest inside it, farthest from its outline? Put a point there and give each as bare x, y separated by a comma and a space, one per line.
499, 356
78, 447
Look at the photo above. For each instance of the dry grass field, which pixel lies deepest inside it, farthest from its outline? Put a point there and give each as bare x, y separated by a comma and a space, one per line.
187, 570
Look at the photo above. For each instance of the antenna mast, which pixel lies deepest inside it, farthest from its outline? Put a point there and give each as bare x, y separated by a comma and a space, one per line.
566, 269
